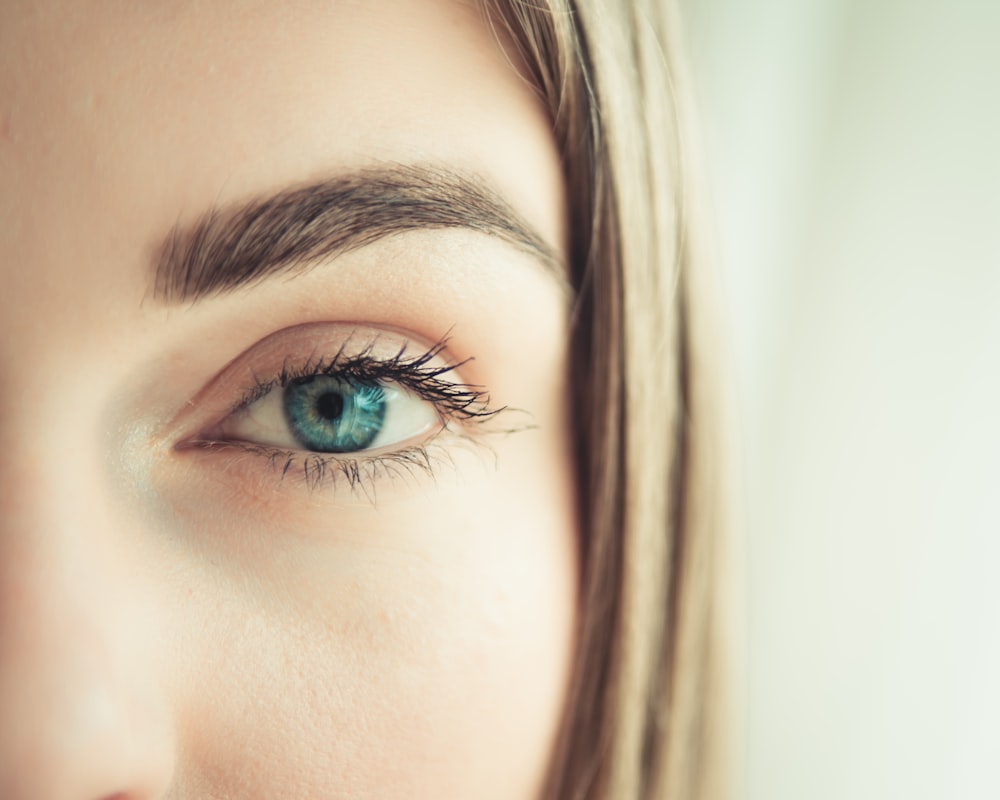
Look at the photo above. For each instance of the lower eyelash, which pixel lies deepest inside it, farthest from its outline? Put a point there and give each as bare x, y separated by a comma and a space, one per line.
362, 473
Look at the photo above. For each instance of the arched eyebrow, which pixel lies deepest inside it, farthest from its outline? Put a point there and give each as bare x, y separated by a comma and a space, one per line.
241, 245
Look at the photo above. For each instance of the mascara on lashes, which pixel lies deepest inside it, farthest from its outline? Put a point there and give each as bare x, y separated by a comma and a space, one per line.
416, 373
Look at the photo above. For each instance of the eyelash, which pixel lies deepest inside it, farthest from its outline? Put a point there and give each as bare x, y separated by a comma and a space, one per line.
452, 401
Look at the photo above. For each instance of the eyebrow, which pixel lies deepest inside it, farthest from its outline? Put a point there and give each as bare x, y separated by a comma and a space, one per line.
284, 233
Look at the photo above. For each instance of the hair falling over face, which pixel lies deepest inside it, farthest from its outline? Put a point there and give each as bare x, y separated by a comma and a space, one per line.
653, 711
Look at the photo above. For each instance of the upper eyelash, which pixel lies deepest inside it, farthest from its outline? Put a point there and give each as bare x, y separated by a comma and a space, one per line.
454, 400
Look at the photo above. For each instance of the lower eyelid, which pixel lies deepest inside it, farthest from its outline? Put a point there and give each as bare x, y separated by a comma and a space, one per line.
261, 468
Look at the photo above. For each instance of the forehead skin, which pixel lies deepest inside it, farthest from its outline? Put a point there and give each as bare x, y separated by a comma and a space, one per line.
176, 105
420, 649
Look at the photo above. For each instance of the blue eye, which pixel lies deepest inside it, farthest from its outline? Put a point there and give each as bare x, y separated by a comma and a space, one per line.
329, 415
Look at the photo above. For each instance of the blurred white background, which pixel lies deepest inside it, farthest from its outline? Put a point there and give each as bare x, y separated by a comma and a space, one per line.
853, 148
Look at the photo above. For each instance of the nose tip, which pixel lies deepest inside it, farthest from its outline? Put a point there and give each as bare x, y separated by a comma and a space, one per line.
81, 741
83, 715
79, 728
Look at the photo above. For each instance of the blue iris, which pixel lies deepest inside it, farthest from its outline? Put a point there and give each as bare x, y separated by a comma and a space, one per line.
332, 415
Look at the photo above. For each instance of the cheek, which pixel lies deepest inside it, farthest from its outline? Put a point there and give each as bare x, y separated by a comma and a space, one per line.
426, 655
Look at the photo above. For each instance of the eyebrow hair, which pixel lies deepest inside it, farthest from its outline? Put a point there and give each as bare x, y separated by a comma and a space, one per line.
244, 244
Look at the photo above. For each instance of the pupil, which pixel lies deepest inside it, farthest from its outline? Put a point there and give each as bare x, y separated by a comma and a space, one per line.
333, 415
330, 405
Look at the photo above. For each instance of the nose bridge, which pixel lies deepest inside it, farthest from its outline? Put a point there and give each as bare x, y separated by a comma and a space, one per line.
83, 715
56, 560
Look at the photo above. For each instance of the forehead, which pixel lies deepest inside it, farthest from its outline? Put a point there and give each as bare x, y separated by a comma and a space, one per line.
118, 119
259, 72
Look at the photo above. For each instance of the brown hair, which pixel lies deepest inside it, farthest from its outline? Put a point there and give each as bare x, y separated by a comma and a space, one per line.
644, 715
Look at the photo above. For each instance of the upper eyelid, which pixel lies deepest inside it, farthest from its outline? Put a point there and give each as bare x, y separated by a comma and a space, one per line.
265, 358
411, 372
290, 351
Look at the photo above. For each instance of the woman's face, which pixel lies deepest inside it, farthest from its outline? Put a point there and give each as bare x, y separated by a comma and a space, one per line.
256, 539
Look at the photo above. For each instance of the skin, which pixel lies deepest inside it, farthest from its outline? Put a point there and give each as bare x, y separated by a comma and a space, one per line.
181, 622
